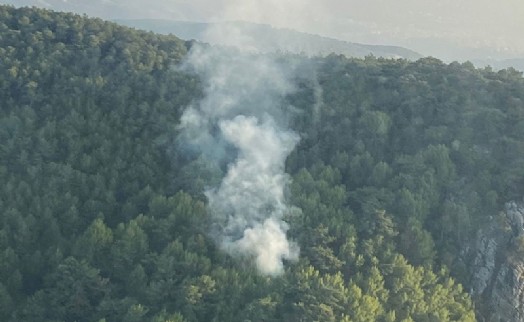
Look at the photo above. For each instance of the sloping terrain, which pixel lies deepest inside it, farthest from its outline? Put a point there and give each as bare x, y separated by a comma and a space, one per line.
104, 214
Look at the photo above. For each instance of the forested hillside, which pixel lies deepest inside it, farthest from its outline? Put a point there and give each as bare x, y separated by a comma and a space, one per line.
103, 218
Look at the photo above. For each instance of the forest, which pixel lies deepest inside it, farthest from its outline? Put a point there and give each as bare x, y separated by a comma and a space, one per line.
102, 218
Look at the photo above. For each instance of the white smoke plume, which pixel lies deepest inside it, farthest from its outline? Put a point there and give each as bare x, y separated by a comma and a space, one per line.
243, 113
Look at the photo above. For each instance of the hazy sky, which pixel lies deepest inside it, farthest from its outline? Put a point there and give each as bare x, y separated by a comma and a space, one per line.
423, 25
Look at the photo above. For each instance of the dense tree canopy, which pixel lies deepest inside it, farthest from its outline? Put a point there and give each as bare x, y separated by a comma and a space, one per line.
101, 219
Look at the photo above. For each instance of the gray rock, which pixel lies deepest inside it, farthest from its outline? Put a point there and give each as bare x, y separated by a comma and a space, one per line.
497, 279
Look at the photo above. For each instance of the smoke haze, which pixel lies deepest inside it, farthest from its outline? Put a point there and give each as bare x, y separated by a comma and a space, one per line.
241, 121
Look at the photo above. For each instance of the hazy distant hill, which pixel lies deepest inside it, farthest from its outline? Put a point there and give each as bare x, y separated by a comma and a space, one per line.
444, 46
267, 39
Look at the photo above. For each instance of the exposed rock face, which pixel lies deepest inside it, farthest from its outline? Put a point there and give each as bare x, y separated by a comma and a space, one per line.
498, 267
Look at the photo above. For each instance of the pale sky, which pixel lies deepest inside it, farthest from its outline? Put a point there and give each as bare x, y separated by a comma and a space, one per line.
430, 27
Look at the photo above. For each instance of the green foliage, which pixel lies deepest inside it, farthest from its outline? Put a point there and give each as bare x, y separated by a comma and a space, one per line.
71, 293
102, 219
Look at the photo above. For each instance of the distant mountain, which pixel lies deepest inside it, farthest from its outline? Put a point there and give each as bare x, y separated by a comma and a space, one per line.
269, 39
444, 45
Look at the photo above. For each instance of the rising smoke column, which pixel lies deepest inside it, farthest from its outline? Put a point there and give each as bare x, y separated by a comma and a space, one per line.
242, 112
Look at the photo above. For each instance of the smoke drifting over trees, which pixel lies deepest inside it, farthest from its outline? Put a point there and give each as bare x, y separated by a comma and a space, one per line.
242, 112
398, 166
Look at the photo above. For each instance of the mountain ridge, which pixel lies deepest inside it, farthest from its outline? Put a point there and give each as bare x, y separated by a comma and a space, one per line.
270, 39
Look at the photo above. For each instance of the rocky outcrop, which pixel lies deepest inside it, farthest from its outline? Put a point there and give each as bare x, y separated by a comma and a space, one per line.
497, 266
